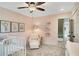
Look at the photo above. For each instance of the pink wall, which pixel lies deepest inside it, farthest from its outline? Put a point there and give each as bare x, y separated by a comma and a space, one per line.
53, 38
15, 17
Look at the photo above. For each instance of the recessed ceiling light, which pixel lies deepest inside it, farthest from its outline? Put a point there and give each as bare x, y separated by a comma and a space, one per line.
61, 9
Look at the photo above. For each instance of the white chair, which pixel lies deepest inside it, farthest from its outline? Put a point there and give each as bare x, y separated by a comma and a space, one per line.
34, 44
34, 41
72, 48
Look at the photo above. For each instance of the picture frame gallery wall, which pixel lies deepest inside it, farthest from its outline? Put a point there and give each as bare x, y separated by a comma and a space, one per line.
9, 26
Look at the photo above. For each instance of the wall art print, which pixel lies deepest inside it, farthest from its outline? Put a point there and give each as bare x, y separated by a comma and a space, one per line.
4, 26
14, 27
21, 27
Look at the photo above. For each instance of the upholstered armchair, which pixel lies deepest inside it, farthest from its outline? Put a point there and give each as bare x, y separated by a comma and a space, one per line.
34, 41
72, 48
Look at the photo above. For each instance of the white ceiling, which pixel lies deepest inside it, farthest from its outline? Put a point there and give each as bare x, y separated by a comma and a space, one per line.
50, 8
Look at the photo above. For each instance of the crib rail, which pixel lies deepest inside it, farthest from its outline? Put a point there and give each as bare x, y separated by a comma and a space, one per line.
13, 47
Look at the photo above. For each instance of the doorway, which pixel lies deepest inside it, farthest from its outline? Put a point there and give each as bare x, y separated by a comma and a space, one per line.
65, 32
63, 29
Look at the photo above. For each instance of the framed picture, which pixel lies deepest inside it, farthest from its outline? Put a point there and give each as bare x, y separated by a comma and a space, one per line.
4, 26
21, 27
14, 27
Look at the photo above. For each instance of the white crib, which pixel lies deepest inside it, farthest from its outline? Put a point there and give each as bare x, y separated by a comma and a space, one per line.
11, 45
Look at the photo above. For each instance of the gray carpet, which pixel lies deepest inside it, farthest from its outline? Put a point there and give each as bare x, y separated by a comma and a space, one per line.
44, 50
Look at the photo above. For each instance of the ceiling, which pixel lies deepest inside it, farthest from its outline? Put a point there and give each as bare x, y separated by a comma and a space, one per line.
50, 8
